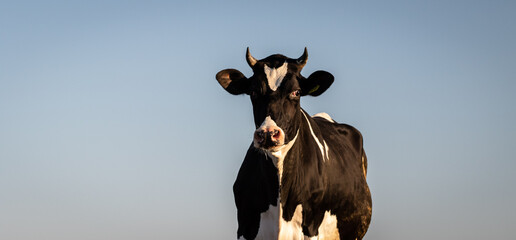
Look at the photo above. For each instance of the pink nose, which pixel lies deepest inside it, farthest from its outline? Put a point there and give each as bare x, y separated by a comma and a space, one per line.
269, 137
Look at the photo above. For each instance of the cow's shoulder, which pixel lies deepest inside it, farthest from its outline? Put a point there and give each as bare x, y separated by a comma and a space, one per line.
324, 116
334, 131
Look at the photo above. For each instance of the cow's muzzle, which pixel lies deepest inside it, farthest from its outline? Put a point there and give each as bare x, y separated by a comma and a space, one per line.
268, 136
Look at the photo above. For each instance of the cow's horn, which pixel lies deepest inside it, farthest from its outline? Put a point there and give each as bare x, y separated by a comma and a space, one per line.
250, 59
302, 60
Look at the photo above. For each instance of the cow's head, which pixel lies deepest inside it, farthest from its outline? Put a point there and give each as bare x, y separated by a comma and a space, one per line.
275, 90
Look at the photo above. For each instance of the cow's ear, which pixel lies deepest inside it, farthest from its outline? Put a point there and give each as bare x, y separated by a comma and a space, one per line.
233, 81
316, 83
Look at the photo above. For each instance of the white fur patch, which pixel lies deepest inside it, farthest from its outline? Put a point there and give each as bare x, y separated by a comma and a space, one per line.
328, 228
325, 116
269, 226
292, 229
268, 122
275, 75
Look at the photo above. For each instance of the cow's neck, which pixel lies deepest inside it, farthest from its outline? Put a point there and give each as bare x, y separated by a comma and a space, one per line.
304, 134
278, 157
288, 161
303, 162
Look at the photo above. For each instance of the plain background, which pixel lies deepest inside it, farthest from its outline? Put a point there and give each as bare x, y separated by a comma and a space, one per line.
112, 125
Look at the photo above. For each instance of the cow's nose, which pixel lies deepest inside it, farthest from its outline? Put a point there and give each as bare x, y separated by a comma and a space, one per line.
268, 137
274, 135
259, 136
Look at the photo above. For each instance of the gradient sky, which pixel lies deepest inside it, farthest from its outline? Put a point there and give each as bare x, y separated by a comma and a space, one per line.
112, 125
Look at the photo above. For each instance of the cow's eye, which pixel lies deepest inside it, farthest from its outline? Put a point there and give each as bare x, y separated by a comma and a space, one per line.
294, 94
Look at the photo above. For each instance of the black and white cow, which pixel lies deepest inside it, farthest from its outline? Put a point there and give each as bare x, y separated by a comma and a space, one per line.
303, 177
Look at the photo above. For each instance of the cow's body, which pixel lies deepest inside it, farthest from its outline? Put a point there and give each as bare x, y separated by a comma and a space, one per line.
304, 178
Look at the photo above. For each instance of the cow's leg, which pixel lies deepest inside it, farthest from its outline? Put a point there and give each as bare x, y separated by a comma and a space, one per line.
348, 230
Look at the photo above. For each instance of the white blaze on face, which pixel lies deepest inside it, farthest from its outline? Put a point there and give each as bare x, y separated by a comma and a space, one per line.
267, 123
275, 75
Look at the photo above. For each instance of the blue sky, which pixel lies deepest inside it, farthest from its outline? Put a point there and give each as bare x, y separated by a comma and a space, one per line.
112, 125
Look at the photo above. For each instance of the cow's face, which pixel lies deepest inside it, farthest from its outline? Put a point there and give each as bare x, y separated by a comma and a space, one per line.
275, 90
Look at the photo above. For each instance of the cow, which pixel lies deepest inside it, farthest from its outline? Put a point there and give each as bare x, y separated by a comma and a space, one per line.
303, 177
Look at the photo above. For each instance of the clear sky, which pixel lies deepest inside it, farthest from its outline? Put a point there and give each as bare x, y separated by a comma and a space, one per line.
112, 125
